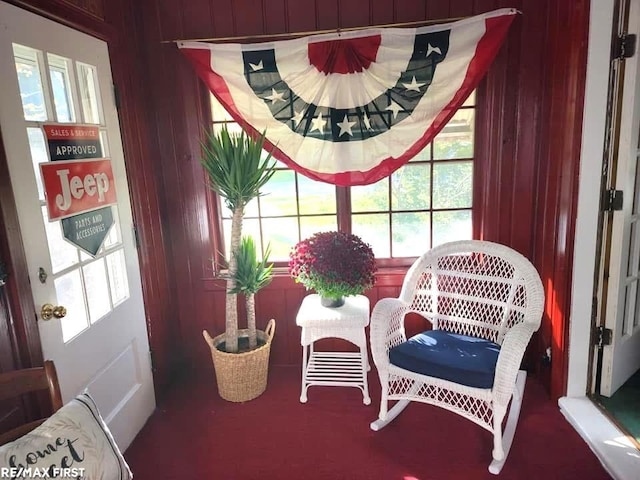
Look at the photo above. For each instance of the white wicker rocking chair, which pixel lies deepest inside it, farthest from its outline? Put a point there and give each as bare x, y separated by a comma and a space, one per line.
468, 290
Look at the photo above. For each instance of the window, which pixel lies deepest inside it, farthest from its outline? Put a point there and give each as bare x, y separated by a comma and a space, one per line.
425, 203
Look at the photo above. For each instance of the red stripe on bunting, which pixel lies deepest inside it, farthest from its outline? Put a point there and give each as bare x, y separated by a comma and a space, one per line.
348, 55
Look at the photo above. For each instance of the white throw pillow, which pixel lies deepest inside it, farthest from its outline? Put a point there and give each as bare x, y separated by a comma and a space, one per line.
74, 443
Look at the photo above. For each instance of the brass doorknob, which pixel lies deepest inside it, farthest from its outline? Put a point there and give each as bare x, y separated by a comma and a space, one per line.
49, 311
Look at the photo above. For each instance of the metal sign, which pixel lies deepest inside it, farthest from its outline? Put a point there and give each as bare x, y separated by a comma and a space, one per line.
88, 230
72, 142
79, 185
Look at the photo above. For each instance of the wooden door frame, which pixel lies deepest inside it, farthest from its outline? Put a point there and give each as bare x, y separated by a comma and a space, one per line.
615, 94
22, 319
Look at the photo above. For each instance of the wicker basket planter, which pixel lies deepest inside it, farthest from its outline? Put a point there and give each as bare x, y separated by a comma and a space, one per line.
242, 376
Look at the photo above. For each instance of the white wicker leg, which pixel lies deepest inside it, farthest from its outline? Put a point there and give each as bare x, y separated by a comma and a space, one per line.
390, 416
364, 364
510, 427
303, 393
498, 416
384, 398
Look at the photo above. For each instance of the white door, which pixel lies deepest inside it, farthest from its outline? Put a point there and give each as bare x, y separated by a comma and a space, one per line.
621, 359
50, 73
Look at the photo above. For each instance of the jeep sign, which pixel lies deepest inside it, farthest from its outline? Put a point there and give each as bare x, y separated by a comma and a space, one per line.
74, 187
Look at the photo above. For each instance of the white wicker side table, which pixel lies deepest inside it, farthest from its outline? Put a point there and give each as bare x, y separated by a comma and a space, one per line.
346, 369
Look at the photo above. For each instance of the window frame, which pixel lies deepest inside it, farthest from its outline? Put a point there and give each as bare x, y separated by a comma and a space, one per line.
343, 201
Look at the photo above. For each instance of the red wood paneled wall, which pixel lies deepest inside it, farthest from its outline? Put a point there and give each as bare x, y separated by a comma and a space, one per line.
528, 148
529, 120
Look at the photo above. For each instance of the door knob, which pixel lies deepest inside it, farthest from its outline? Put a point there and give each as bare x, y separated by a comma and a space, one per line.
49, 311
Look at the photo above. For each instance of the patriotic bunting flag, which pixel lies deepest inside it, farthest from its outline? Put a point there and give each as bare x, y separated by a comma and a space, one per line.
351, 108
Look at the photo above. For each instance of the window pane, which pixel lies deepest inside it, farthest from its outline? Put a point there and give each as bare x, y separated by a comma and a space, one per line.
114, 237
451, 226
471, 100
411, 234
311, 225
456, 138
226, 213
97, 285
30, 82
250, 227
63, 254
279, 195
282, 234
632, 263
411, 187
423, 155
226, 231
630, 295
61, 87
373, 229
218, 113
452, 185
118, 281
636, 317
38, 155
231, 127
69, 292
89, 95
104, 143
371, 198
316, 197
251, 210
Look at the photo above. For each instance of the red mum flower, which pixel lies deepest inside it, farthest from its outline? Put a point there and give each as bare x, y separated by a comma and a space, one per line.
334, 264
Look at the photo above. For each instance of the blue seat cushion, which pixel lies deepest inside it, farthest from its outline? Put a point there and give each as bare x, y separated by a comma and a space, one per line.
458, 358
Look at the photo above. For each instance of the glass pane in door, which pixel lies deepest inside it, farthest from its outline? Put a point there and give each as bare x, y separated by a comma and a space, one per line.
118, 281
70, 294
61, 88
89, 95
95, 279
63, 254
30, 82
38, 149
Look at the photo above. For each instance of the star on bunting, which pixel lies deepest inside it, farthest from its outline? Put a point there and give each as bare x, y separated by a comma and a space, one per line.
395, 108
256, 66
318, 123
345, 126
415, 86
431, 49
275, 96
297, 118
367, 122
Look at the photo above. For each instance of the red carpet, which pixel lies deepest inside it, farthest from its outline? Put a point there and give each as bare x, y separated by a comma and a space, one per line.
196, 435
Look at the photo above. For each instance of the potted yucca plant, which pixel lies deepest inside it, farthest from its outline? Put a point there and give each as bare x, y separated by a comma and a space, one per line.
237, 171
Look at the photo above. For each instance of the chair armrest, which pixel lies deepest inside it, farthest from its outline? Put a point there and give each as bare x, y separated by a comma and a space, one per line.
511, 352
387, 328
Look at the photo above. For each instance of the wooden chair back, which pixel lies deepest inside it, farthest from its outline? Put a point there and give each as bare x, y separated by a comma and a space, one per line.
28, 380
